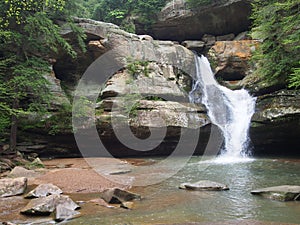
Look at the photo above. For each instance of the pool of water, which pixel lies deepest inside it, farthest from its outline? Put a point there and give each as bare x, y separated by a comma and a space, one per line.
165, 203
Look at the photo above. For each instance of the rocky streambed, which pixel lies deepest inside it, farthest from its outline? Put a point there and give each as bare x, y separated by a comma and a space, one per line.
100, 200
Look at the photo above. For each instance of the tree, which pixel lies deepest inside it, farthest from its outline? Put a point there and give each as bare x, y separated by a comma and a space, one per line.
29, 37
276, 23
122, 12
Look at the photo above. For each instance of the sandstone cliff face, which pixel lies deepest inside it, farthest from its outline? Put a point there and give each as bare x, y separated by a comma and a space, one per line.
231, 61
178, 22
161, 94
146, 94
276, 123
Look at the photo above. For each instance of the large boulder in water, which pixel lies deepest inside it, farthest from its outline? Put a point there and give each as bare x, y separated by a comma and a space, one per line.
117, 195
204, 185
280, 193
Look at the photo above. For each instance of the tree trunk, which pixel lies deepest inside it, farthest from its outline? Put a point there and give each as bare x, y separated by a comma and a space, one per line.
14, 127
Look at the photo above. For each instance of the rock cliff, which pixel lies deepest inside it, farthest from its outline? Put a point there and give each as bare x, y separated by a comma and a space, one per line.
178, 22
155, 75
152, 84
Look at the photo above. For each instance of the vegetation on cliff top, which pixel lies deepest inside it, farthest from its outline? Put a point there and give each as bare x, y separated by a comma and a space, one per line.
277, 24
123, 12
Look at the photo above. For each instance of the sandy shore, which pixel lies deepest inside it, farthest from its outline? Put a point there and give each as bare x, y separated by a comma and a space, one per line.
75, 176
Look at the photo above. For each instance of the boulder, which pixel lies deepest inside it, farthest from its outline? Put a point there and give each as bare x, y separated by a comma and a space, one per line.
209, 40
276, 114
194, 45
118, 196
127, 205
12, 186
20, 171
63, 213
280, 193
177, 21
47, 205
231, 59
243, 36
227, 37
44, 190
277, 106
204, 185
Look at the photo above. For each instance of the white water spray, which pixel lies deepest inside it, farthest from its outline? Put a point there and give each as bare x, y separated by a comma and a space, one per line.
230, 110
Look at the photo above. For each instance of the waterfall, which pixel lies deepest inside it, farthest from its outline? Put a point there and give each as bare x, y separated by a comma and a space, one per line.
230, 110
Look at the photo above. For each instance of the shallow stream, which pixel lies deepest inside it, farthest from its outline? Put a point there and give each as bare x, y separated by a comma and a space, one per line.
164, 203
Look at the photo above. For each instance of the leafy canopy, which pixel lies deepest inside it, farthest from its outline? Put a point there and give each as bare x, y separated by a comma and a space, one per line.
29, 37
123, 12
277, 23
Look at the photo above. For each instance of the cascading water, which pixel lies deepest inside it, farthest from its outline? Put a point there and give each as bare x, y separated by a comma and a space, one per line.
230, 110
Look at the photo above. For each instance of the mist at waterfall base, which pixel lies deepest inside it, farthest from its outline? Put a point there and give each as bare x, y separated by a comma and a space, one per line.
230, 110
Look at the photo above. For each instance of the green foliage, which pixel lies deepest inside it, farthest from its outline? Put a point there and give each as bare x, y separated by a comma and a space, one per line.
29, 37
122, 12
138, 67
23, 81
276, 23
154, 98
131, 104
61, 121
17, 11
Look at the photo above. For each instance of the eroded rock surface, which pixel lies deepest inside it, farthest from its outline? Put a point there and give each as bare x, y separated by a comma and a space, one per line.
116, 195
44, 190
47, 205
204, 185
12, 186
177, 22
280, 193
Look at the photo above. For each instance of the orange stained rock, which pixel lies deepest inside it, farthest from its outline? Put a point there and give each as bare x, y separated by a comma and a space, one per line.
241, 49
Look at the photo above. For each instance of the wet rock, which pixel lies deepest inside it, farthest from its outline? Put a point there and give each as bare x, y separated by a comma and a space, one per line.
11, 187
277, 106
275, 116
119, 172
127, 205
117, 196
100, 201
204, 185
64, 213
47, 205
44, 190
280, 193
